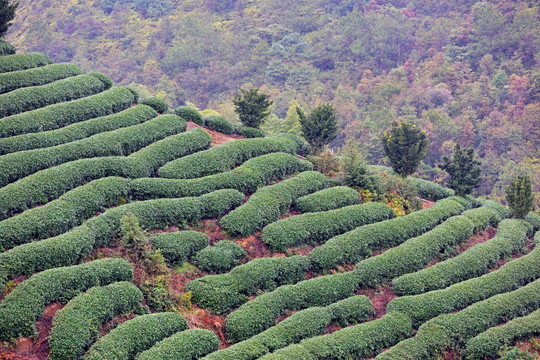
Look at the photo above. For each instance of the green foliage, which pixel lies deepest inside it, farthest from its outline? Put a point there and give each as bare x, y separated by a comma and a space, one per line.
185, 345
17, 62
520, 197
181, 246
515, 353
190, 114
464, 170
219, 123
319, 128
7, 14
250, 132
158, 104
38, 76
219, 258
252, 107
328, 199
6, 48
355, 173
405, 146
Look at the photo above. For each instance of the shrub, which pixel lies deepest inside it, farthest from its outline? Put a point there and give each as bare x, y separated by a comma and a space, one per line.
43, 139
520, 197
103, 78
180, 246
405, 145
135, 94
352, 310
328, 199
190, 114
6, 48
534, 220
315, 228
431, 190
76, 326
250, 132
351, 247
252, 106
58, 115
219, 123
19, 62
158, 104
319, 127
37, 76
219, 258
24, 305
268, 203
303, 147
473, 262
464, 170
119, 142
186, 345
482, 218
135, 336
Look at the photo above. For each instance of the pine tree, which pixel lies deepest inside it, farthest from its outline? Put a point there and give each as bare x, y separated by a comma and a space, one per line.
464, 170
520, 197
252, 107
405, 145
7, 14
319, 128
355, 172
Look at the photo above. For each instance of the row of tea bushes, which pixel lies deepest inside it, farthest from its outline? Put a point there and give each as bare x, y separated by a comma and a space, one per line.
156, 103
37, 76
219, 258
190, 114
17, 62
179, 246
185, 345
250, 132
219, 123
25, 304
328, 199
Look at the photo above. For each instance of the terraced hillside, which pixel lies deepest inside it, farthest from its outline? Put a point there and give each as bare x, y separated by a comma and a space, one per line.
246, 252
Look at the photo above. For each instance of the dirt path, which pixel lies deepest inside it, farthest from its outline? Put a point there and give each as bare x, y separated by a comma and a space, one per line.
217, 137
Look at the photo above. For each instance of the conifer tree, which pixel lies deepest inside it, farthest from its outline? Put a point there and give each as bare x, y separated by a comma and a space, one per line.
520, 197
252, 107
7, 14
464, 170
319, 128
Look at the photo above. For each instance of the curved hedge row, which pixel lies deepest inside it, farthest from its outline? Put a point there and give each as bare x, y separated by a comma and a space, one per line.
60, 215
328, 199
353, 342
315, 228
129, 117
250, 132
136, 335
158, 104
18, 62
38, 76
301, 325
24, 305
219, 258
222, 293
186, 345
487, 344
58, 115
357, 244
6, 48
190, 114
224, 157
247, 178
475, 261
49, 184
76, 326
180, 246
219, 123
118, 142
534, 220
268, 203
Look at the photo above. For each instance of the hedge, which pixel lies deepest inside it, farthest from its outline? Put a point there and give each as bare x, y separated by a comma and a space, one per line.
76, 326
136, 335
301, 325
158, 104
357, 244
315, 228
475, 261
224, 157
17, 62
190, 114
25, 304
260, 313
38, 76
6, 48
219, 258
180, 246
60, 215
129, 117
186, 345
503, 211
46, 185
328, 199
487, 344
250, 132
58, 115
118, 142
353, 342
268, 203
222, 293
483, 218
219, 123
534, 220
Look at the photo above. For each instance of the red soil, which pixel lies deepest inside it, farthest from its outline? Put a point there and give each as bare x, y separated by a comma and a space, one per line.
217, 137
379, 297
426, 204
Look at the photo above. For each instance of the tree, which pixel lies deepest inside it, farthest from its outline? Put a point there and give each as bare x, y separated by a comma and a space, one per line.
405, 145
520, 197
464, 170
252, 107
319, 128
7, 14
355, 173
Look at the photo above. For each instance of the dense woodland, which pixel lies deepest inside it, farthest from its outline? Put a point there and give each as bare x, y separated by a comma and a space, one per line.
468, 72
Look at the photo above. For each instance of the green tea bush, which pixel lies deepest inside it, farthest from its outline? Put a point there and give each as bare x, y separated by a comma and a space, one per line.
17, 62
482, 218
185, 345
190, 114
250, 132
534, 220
37, 76
24, 305
135, 336
431, 190
43, 139
475, 261
315, 228
219, 123
503, 211
357, 244
219, 258
76, 326
224, 157
303, 147
118, 142
328, 199
6, 48
180, 246
158, 104
268, 203
58, 115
